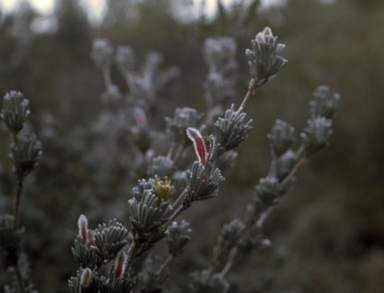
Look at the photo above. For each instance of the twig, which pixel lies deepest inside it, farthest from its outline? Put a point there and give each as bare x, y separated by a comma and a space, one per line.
129, 81
19, 277
164, 265
251, 91
17, 202
292, 173
300, 151
17, 216
272, 168
170, 151
131, 256
20, 178
217, 261
228, 265
262, 217
179, 153
180, 198
15, 140
175, 214
107, 77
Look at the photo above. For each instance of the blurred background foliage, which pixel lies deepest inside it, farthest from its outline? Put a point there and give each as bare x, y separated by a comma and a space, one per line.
327, 235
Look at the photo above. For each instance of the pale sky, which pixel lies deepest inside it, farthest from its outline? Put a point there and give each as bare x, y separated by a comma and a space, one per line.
95, 7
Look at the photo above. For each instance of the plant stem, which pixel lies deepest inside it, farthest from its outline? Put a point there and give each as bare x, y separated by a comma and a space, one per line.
107, 77
180, 198
217, 261
20, 178
300, 151
131, 256
179, 153
251, 91
17, 203
129, 81
164, 265
170, 151
292, 173
175, 214
228, 265
15, 140
262, 217
272, 168
19, 278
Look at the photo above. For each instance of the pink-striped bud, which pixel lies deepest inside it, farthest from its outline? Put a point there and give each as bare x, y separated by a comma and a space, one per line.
83, 228
85, 277
120, 264
199, 145
140, 117
262, 36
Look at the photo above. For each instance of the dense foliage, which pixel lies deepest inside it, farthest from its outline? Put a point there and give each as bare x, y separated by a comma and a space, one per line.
329, 229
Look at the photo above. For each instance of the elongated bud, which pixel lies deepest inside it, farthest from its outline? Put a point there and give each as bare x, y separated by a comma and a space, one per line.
85, 277
140, 117
83, 228
120, 264
262, 36
199, 145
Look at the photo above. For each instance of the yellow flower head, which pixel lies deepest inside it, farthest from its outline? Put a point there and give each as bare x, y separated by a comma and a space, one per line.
163, 189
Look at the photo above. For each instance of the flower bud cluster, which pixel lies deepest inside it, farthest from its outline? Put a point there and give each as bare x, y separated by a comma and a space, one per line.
215, 284
265, 58
220, 84
318, 131
281, 138
110, 239
102, 53
148, 213
9, 238
230, 131
324, 103
88, 282
125, 59
112, 95
15, 111
220, 53
26, 154
316, 134
102, 244
178, 235
203, 183
154, 277
161, 166
183, 118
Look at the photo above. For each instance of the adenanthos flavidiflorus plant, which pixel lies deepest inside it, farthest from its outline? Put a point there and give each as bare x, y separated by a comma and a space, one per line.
25, 153
155, 204
182, 164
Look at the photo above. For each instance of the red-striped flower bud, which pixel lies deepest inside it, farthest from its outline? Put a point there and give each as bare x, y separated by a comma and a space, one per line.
83, 228
199, 144
120, 264
86, 277
140, 117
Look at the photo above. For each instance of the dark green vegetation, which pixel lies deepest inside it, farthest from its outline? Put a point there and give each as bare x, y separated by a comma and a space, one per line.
327, 235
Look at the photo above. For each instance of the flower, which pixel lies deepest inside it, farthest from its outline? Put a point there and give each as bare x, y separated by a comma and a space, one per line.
199, 145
